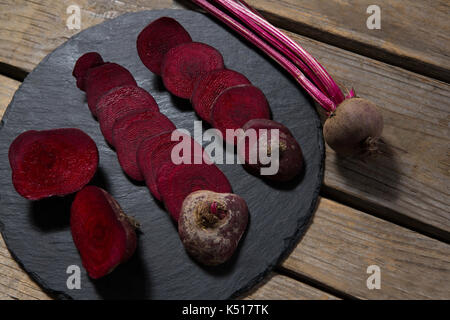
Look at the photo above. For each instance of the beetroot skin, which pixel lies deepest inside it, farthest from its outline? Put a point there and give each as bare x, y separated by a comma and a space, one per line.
156, 39
211, 225
290, 153
120, 101
208, 87
84, 63
236, 106
103, 234
52, 162
175, 185
101, 79
130, 130
185, 63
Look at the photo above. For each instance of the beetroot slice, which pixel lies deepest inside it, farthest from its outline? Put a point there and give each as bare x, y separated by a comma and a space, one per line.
120, 101
102, 233
130, 130
208, 87
235, 106
185, 63
156, 39
101, 79
176, 184
84, 63
52, 162
155, 152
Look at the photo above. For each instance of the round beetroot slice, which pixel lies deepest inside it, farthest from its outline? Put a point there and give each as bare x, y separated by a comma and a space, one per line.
120, 101
101, 79
208, 87
104, 236
156, 39
176, 185
235, 106
84, 63
52, 162
185, 63
130, 130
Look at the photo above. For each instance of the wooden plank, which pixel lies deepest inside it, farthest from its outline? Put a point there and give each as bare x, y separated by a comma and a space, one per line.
342, 243
414, 34
7, 88
280, 287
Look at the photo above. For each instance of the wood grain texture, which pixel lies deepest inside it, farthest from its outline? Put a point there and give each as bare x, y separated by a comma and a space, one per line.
7, 88
414, 34
342, 242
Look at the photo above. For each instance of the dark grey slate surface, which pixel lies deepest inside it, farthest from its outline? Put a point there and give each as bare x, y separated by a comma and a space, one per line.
38, 233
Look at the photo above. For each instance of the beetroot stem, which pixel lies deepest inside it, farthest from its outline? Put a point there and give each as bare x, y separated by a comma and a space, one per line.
312, 90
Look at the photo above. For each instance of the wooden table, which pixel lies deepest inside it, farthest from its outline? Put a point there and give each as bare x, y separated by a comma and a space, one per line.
391, 211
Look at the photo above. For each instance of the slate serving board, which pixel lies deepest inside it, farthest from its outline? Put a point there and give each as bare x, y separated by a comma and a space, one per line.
38, 233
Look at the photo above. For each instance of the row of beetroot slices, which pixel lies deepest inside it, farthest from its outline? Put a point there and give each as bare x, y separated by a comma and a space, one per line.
224, 98
196, 194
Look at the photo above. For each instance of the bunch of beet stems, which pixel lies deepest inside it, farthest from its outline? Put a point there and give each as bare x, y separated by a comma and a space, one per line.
305, 69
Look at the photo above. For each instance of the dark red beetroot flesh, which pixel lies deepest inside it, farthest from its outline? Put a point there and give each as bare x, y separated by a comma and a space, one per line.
185, 63
211, 225
84, 63
103, 234
208, 87
52, 162
101, 79
176, 184
155, 152
119, 102
236, 106
156, 39
290, 156
130, 130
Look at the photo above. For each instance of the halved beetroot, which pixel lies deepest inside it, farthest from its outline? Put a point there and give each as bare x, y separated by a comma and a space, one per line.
101, 79
185, 63
176, 184
130, 130
156, 39
120, 101
237, 105
84, 63
208, 87
103, 234
155, 152
52, 162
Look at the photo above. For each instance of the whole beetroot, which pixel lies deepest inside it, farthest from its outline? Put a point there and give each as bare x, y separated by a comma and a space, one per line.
211, 225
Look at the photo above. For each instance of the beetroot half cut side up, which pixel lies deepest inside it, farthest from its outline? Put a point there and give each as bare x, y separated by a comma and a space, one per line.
103, 234
208, 87
84, 63
237, 105
175, 185
130, 130
101, 79
185, 63
119, 102
54, 162
156, 39
155, 155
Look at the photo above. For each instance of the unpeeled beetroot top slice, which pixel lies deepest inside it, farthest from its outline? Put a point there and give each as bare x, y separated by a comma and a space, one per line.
185, 63
84, 63
130, 130
175, 185
237, 105
52, 162
156, 39
120, 101
102, 233
156, 152
208, 87
101, 79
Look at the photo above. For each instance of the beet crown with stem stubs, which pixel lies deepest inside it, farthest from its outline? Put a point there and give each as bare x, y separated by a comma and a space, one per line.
310, 74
